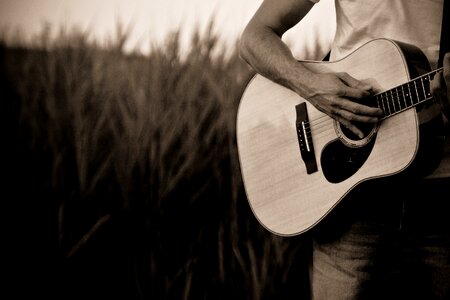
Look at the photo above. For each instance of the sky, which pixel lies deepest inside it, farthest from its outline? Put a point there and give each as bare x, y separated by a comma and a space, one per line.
149, 20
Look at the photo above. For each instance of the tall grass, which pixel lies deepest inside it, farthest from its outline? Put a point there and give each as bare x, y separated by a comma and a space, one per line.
124, 175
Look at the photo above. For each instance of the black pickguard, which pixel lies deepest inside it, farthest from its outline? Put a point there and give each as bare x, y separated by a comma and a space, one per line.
339, 161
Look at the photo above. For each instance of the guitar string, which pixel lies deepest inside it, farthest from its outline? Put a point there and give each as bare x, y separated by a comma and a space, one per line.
397, 100
319, 125
395, 95
394, 98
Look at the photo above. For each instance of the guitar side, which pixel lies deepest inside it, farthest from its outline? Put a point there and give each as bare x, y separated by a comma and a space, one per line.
283, 197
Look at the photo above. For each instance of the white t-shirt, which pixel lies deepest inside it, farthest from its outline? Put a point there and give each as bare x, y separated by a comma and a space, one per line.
416, 22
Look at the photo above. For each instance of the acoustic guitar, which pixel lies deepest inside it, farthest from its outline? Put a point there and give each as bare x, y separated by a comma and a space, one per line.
297, 163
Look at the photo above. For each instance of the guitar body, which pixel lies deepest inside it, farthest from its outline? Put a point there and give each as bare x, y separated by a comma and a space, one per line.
284, 197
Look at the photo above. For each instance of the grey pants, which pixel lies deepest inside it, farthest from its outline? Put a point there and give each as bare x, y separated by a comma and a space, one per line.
388, 239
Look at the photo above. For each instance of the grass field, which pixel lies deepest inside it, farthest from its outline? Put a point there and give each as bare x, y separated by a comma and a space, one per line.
123, 180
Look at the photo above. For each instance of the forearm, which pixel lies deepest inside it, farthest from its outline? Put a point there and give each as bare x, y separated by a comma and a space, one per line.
278, 63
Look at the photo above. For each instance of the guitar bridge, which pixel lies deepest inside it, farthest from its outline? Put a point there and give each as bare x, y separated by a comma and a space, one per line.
305, 139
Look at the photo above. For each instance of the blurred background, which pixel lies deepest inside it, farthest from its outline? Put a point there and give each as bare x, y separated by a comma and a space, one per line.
120, 169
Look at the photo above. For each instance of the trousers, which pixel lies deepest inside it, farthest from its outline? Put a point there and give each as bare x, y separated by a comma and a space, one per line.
388, 239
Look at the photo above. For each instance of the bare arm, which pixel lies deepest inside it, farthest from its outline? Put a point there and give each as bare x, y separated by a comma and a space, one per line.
261, 44
334, 94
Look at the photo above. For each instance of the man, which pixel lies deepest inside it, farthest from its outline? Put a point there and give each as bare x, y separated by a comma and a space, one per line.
391, 233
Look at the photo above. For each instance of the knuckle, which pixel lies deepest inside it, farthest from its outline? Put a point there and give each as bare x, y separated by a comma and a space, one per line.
347, 115
334, 103
341, 120
346, 124
356, 110
342, 93
350, 117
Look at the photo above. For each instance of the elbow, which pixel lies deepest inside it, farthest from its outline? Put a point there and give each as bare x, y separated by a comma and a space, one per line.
254, 39
245, 45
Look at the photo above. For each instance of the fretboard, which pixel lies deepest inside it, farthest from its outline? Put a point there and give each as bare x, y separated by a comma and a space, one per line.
405, 96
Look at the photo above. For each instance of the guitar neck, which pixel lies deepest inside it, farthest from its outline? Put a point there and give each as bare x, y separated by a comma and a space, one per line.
405, 96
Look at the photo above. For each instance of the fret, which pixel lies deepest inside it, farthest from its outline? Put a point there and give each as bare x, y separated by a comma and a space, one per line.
417, 92
385, 100
427, 88
377, 104
406, 96
380, 104
420, 90
401, 102
401, 92
385, 104
423, 89
393, 101
413, 90
410, 95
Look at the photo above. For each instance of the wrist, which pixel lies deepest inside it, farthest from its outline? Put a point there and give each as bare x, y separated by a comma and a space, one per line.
301, 80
